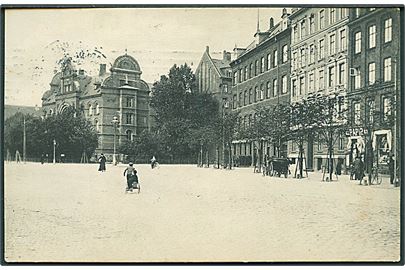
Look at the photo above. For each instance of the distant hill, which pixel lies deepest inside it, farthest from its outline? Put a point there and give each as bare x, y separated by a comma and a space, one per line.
10, 110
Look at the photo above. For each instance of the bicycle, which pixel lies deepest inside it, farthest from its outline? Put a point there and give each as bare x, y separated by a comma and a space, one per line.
376, 178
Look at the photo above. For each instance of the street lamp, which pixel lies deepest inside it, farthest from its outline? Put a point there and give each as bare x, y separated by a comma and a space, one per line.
54, 148
115, 122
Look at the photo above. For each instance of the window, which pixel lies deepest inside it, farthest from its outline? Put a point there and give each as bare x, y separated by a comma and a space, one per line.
302, 29
312, 24
251, 98
386, 108
388, 30
235, 101
332, 16
371, 36
129, 135
97, 125
294, 87
343, 12
294, 62
319, 143
332, 44
285, 53
370, 108
261, 92
235, 77
268, 90
257, 94
357, 79
284, 84
357, 12
275, 59
257, 67
239, 77
275, 90
295, 30
97, 109
340, 105
245, 74
268, 61
311, 53
343, 45
129, 118
357, 112
302, 85
387, 69
321, 19
90, 109
225, 87
357, 42
130, 101
302, 56
371, 73
311, 82
331, 73
250, 70
262, 65
342, 73
321, 49
240, 99
245, 98
321, 80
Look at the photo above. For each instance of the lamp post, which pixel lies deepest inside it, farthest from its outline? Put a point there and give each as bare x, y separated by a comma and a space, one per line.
24, 141
115, 122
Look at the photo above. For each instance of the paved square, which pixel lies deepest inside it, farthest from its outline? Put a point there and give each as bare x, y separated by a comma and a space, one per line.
73, 213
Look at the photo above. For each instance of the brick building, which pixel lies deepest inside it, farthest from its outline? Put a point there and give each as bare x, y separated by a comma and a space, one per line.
374, 54
319, 49
215, 76
120, 93
261, 78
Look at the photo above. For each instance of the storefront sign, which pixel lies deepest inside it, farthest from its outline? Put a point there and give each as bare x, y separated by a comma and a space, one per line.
359, 131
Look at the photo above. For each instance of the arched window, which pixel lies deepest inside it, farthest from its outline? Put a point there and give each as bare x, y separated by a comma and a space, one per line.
97, 108
50, 112
90, 109
97, 124
129, 135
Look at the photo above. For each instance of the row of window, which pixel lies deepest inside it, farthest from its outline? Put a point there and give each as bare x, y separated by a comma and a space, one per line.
300, 56
260, 65
320, 142
369, 110
317, 21
250, 96
371, 71
96, 108
316, 79
372, 35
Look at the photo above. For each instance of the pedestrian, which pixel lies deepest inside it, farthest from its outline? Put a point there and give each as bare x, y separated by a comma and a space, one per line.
102, 161
339, 167
153, 162
358, 169
132, 178
42, 158
391, 168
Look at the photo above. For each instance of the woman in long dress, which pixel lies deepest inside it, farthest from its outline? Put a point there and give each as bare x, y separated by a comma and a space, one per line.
102, 161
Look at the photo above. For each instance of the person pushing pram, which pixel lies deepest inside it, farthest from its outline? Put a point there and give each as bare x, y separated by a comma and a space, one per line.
132, 178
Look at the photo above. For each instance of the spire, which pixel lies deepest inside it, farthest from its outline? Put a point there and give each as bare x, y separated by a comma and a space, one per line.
258, 24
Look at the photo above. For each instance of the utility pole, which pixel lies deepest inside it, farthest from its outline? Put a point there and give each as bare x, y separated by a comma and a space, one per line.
54, 152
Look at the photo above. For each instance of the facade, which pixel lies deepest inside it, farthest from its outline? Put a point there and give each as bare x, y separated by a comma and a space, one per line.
261, 79
319, 65
215, 76
120, 94
374, 84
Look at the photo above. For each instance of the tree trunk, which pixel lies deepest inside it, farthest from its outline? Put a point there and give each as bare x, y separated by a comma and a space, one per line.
300, 160
230, 157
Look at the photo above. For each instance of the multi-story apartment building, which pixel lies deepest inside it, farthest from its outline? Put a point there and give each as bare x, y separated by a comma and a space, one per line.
261, 78
374, 85
215, 76
120, 95
319, 64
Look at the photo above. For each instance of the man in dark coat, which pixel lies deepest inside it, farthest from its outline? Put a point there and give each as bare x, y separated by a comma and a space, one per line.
391, 168
358, 169
102, 161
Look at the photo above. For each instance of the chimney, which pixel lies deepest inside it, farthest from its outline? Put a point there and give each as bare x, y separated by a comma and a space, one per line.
207, 49
238, 51
284, 13
271, 23
227, 56
103, 68
81, 72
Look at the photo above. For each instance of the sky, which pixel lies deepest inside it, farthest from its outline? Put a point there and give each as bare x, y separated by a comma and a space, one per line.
158, 38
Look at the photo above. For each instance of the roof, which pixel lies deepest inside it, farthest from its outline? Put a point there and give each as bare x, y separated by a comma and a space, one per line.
221, 65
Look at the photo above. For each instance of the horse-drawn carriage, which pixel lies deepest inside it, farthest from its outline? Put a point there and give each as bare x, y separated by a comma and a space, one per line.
277, 166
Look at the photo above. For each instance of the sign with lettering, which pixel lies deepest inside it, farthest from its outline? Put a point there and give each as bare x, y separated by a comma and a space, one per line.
358, 131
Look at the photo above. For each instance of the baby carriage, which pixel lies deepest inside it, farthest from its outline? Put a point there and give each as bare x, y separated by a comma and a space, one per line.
134, 183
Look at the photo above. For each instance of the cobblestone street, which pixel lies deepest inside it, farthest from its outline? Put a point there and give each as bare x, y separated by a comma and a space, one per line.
73, 213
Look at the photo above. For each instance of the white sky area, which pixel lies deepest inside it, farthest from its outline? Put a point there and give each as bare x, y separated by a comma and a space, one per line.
158, 38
